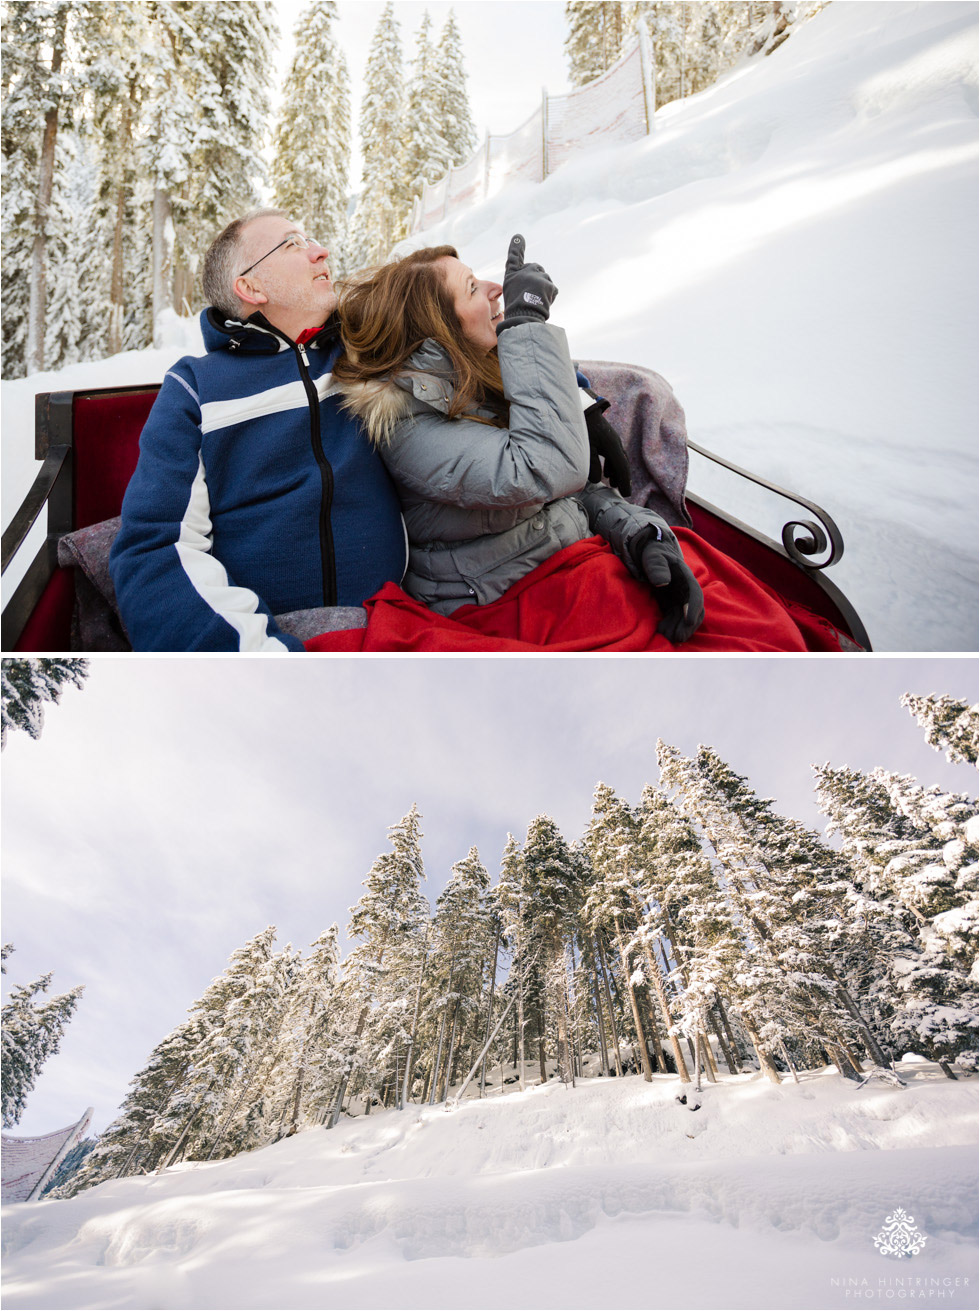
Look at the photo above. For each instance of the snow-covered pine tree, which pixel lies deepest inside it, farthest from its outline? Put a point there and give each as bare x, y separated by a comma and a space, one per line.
950, 725
166, 149
308, 1061
454, 116
383, 206
116, 39
597, 31
791, 990
311, 154
36, 79
136, 1141
32, 1031
667, 24
552, 881
617, 904
212, 1113
913, 856
210, 67
380, 975
77, 296
230, 77
29, 683
938, 876
508, 898
699, 919
454, 977
425, 151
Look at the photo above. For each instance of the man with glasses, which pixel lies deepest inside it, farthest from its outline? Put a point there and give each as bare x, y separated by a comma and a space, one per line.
255, 494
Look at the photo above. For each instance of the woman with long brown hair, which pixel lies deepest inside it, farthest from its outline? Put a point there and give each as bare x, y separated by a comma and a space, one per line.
472, 399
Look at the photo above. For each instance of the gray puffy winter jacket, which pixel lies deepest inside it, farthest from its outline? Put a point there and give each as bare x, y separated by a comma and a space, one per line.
485, 505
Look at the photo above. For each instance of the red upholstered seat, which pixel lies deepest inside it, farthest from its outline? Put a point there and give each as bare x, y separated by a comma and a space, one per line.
106, 439
103, 429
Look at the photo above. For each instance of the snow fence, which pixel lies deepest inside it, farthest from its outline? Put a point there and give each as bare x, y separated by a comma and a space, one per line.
616, 107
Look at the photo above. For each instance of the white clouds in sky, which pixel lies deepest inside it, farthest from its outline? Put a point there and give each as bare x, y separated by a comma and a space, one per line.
176, 806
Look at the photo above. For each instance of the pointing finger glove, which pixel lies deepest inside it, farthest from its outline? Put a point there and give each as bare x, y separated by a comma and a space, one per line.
528, 290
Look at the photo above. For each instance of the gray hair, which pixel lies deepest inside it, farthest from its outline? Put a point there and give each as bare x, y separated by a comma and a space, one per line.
222, 261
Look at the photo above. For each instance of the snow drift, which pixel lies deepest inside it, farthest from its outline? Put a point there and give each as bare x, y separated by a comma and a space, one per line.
608, 1194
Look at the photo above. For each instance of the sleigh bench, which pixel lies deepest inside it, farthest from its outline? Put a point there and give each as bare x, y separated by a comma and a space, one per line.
88, 444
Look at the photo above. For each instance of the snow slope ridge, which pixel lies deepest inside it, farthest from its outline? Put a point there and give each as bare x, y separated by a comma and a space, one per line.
388, 1210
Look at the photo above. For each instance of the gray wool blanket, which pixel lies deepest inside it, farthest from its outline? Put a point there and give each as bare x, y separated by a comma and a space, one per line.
649, 419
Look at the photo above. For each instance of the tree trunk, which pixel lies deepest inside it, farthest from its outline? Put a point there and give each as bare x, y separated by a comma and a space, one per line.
172, 1154
406, 1090
763, 1057
117, 293
37, 304
559, 991
612, 1014
163, 235
493, 984
437, 1070
452, 1051
640, 1036
727, 1026
603, 1050
661, 991
301, 1075
852, 1008
729, 1055
710, 1065
345, 1078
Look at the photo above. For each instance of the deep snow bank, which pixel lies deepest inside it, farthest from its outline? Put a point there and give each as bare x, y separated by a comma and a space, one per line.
608, 1194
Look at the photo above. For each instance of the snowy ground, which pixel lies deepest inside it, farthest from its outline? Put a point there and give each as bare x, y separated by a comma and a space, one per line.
608, 1195
795, 249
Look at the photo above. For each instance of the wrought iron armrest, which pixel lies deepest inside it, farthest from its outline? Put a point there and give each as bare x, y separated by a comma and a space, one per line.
57, 463
802, 538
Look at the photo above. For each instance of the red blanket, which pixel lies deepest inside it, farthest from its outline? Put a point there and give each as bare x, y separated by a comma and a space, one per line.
585, 599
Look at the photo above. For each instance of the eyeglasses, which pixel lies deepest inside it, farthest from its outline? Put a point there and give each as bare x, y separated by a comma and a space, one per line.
295, 239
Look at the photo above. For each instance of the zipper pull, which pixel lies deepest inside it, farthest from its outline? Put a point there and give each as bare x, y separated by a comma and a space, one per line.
302, 354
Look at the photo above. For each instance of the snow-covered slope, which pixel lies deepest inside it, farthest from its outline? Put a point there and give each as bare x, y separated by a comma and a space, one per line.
795, 249
608, 1194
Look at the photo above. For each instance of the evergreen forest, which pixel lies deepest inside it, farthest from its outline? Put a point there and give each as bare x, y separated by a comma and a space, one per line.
134, 130
693, 933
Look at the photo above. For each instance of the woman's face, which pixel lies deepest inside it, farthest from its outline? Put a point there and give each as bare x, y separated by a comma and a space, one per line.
477, 303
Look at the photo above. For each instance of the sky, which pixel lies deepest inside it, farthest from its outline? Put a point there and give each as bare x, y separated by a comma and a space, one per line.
176, 806
502, 93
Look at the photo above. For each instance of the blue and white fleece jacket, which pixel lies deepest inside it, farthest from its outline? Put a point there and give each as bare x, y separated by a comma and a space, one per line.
254, 495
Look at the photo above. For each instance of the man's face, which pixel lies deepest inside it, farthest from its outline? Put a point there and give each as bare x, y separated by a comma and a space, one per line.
295, 283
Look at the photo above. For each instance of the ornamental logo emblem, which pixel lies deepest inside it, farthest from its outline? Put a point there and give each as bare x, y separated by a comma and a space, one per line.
900, 1238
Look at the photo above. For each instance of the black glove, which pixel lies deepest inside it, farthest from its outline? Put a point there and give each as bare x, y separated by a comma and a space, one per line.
678, 594
604, 441
528, 291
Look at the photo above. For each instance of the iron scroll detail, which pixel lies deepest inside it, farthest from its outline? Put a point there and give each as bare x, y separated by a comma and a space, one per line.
802, 538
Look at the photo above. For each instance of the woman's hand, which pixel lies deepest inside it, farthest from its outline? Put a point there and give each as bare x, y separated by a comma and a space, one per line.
677, 591
528, 291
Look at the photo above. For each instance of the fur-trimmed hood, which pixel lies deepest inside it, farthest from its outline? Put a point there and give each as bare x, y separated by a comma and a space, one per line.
424, 382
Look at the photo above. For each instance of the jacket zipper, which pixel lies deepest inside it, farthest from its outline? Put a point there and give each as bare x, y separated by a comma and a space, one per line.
327, 555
